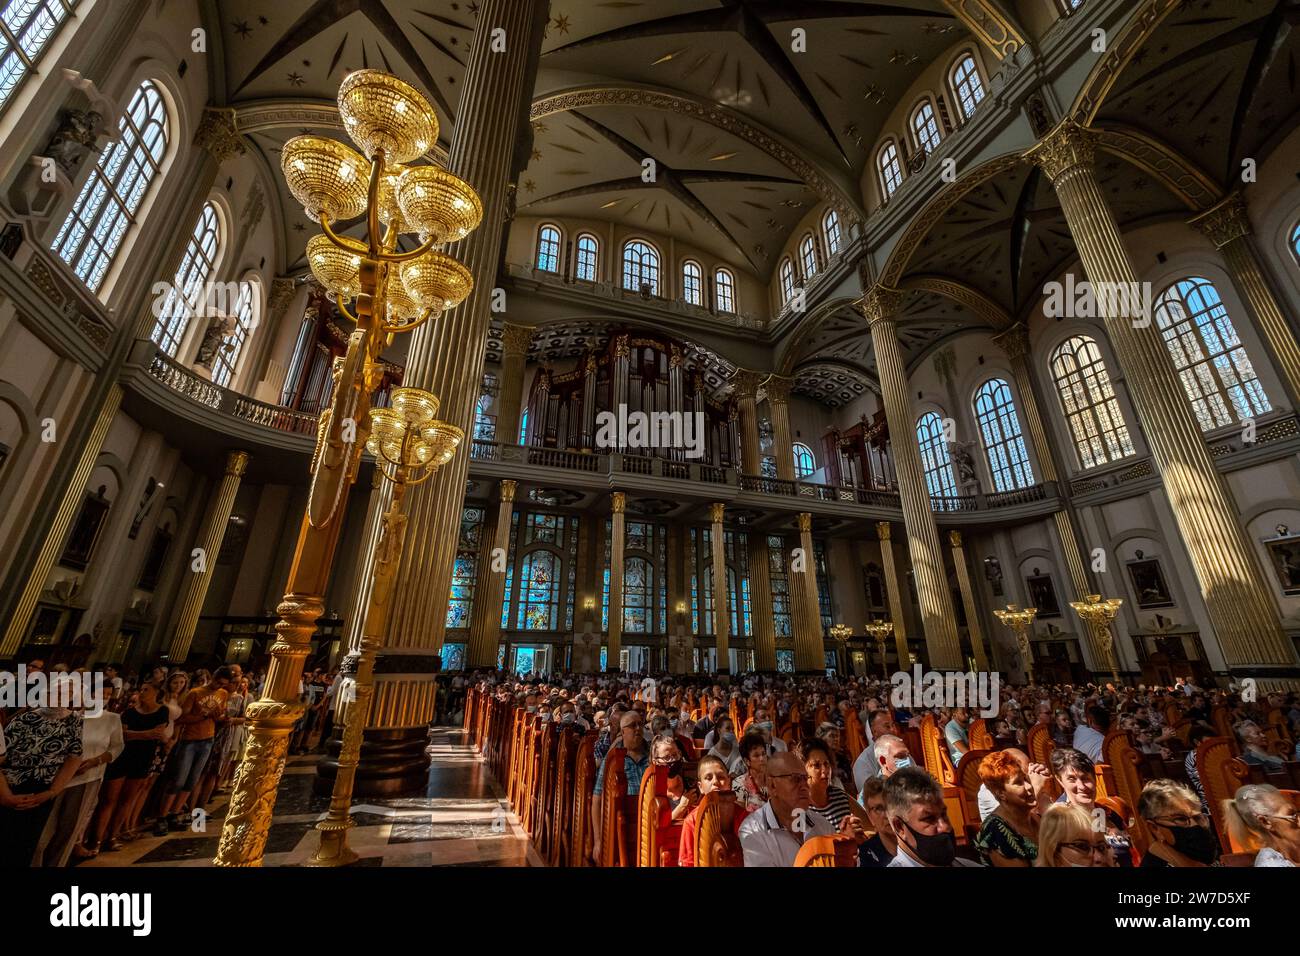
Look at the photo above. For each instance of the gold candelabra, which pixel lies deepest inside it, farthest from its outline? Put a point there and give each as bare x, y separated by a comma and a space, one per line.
841, 634
392, 290
881, 630
409, 445
1020, 620
1098, 613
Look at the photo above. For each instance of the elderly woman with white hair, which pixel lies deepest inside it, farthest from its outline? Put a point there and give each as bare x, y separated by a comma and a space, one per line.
1260, 815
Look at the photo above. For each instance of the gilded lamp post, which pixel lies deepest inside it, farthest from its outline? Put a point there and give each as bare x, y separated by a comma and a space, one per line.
409, 445
1020, 620
393, 291
881, 630
1097, 613
841, 633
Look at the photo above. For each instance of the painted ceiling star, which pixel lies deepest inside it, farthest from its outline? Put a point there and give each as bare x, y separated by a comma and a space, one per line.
529, 186
561, 23
536, 154
242, 28
296, 79
754, 21
473, 8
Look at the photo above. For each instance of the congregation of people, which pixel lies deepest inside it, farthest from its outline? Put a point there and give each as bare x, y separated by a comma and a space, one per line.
804, 758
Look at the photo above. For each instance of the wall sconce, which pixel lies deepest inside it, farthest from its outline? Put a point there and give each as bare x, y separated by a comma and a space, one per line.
589, 603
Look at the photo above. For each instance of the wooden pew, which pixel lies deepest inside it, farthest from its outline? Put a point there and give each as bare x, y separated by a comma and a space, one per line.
619, 811
836, 850
716, 843
559, 820
934, 750
1040, 745
658, 837
584, 781
1122, 759
1222, 774
979, 736
968, 785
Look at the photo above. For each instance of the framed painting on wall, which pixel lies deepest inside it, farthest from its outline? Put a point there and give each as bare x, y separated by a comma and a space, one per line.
1284, 555
1148, 582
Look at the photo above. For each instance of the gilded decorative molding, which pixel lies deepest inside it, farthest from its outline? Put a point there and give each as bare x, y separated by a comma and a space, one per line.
990, 24
507, 490
1225, 221
544, 380
236, 463
515, 339
881, 303
778, 389
1179, 175
618, 502
280, 296
977, 302
954, 539
883, 530
716, 510
1067, 146
746, 383
805, 522
1014, 341
675, 357
218, 133
1118, 54
714, 115
621, 349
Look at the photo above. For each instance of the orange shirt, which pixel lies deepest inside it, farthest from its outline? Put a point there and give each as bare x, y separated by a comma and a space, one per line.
199, 712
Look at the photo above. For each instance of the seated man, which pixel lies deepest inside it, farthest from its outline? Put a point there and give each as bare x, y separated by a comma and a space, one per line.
914, 805
1088, 737
774, 834
957, 734
880, 723
631, 746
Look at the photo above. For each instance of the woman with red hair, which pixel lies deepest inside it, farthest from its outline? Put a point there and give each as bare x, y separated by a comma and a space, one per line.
1009, 836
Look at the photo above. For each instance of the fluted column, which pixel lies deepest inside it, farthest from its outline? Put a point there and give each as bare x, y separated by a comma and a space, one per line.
721, 595
880, 306
894, 588
617, 538
446, 357
514, 353
809, 641
588, 439
1241, 607
1228, 226
746, 393
485, 618
676, 395
968, 601
760, 600
778, 400
195, 588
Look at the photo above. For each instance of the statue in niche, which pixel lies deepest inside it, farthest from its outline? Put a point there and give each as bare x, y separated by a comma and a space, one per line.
74, 139
963, 462
219, 327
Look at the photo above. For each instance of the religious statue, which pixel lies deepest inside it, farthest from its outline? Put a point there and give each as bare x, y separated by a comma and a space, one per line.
219, 327
74, 139
964, 463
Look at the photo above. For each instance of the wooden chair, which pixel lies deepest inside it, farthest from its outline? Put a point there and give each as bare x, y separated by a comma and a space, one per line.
968, 785
1122, 758
934, 750
658, 837
560, 819
979, 736
1221, 720
584, 781
1222, 774
1040, 745
838, 850
855, 738
619, 811
716, 843
544, 786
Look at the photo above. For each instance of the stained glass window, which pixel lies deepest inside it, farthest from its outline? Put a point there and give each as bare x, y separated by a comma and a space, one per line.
1212, 363
1003, 442
91, 237
571, 592
453, 657
1089, 403
464, 571
784, 661
640, 267
966, 81
939, 478
588, 256
548, 249
510, 573
232, 346
692, 283
823, 584
638, 596
539, 592
26, 29
776, 570
543, 528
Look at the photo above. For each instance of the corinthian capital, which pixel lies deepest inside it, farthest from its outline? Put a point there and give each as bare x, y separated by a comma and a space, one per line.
778, 388
805, 521
1067, 146
1225, 221
746, 383
515, 339
880, 303
218, 134
716, 511
1014, 341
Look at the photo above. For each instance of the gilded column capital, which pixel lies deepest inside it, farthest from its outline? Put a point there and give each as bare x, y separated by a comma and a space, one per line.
805, 522
219, 135
732, 411
589, 367
778, 389
621, 349
236, 463
544, 380
674, 355
1014, 341
1224, 221
1066, 147
282, 293
883, 530
618, 502
954, 539
881, 303
507, 490
746, 383
715, 512
515, 339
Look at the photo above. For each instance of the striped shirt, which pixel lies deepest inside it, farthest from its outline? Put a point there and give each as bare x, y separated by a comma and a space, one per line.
836, 807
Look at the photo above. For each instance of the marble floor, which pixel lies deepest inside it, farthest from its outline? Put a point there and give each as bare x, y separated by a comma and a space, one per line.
461, 820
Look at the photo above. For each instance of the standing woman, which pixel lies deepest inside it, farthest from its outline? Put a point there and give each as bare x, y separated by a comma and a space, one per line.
42, 753
232, 749
144, 728
173, 698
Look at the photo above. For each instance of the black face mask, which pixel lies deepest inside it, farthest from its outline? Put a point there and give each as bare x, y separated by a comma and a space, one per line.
1195, 842
937, 850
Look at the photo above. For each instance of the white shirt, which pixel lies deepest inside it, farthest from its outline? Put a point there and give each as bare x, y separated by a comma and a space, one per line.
987, 802
865, 767
734, 761
767, 843
902, 859
1089, 741
99, 735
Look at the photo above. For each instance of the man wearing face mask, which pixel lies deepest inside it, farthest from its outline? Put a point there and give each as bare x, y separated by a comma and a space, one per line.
914, 804
763, 724
1180, 831
880, 724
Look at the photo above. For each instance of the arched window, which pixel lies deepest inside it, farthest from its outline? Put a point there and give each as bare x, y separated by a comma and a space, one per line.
804, 462
1295, 241
966, 83
808, 256
640, 267
724, 291
831, 230
925, 127
889, 167
523, 428
638, 596
1089, 402
588, 257
548, 249
26, 29
232, 345
787, 280
91, 236
539, 592
995, 410
186, 296
939, 477
1211, 361
692, 283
